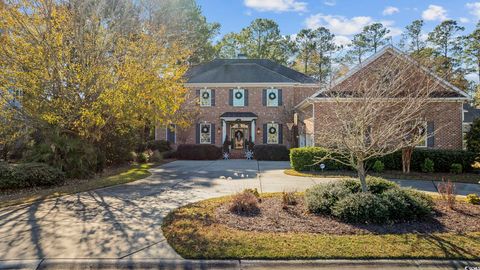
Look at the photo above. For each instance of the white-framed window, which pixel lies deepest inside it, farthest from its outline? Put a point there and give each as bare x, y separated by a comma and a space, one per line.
238, 97
272, 97
272, 133
422, 132
205, 98
205, 133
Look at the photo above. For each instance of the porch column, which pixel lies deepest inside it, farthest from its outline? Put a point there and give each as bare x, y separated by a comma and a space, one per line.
224, 131
253, 131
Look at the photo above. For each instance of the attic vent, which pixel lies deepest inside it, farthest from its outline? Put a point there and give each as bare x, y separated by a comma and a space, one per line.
241, 56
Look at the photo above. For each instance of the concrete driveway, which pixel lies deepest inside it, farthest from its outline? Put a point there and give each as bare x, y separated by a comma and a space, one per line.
124, 222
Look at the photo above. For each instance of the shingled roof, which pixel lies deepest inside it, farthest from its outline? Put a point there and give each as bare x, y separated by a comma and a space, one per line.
470, 113
245, 71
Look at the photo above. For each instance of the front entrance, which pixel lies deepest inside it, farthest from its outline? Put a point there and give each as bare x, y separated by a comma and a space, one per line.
239, 133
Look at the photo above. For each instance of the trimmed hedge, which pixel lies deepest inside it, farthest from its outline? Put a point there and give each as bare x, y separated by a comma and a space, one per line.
29, 175
271, 152
301, 159
198, 152
159, 145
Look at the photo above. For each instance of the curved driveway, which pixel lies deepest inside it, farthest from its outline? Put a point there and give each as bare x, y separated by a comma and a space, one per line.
125, 221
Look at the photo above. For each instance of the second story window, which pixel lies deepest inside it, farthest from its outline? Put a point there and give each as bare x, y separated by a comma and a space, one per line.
238, 97
205, 98
272, 97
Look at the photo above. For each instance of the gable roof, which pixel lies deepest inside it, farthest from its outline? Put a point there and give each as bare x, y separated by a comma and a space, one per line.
454, 92
245, 71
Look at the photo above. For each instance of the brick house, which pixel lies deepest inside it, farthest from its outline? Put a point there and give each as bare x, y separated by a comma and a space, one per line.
443, 116
243, 100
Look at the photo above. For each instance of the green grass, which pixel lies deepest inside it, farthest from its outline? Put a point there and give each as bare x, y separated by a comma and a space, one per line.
117, 176
470, 178
194, 234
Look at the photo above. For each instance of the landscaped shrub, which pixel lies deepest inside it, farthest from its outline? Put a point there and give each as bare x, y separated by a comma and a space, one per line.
170, 154
428, 166
361, 208
473, 138
288, 198
254, 191
305, 159
274, 152
156, 156
244, 203
375, 185
473, 199
159, 145
385, 202
143, 157
456, 168
406, 204
198, 152
29, 175
378, 166
321, 198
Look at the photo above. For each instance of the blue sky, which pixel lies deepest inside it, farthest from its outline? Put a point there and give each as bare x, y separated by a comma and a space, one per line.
343, 17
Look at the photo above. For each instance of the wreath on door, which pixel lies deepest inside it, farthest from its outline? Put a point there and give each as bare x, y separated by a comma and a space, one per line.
238, 95
238, 135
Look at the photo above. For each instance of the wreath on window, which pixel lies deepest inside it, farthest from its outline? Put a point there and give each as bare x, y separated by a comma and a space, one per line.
238, 95
205, 95
205, 129
272, 96
272, 130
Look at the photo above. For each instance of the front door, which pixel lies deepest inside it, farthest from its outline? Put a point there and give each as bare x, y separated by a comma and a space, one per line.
238, 138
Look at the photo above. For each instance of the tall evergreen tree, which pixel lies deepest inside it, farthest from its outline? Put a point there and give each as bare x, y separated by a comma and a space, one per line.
306, 48
447, 45
472, 50
412, 37
375, 35
357, 49
324, 48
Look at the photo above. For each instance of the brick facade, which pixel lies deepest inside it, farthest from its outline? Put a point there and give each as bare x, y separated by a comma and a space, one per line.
291, 96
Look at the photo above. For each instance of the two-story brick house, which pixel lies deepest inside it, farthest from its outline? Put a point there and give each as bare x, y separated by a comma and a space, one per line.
243, 100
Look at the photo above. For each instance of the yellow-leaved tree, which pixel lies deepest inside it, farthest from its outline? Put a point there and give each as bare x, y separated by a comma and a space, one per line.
87, 69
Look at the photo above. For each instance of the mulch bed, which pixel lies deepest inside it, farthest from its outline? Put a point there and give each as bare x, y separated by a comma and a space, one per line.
273, 218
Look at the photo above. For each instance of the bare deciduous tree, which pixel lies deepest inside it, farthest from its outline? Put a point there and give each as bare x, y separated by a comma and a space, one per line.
376, 112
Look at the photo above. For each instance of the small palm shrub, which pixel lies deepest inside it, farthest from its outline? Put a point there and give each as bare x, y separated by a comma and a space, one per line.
473, 199
456, 168
428, 166
378, 166
244, 203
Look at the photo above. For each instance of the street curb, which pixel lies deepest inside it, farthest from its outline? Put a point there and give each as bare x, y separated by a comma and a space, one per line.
74, 264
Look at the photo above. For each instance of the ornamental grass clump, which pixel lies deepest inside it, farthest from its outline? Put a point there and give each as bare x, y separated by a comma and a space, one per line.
245, 203
384, 203
288, 198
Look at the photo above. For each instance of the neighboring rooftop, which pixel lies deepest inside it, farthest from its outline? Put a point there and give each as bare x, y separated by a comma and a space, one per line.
471, 113
245, 71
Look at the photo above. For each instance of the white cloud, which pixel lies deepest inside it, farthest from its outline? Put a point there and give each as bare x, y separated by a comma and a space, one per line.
276, 5
394, 31
390, 11
474, 9
464, 20
342, 40
434, 12
338, 25
330, 3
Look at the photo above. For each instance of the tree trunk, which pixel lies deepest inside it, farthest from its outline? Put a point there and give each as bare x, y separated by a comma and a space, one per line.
362, 175
406, 159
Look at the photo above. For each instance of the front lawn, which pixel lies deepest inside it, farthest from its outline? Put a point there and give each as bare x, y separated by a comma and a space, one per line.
203, 231
471, 178
111, 177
